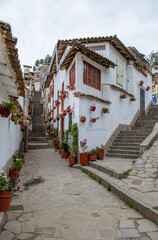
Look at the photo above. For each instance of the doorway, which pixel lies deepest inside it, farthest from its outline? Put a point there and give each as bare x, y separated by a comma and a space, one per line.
142, 101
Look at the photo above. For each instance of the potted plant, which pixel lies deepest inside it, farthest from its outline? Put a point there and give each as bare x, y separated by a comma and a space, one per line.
61, 115
92, 108
141, 82
123, 95
54, 108
58, 117
100, 152
93, 120
84, 155
56, 143
82, 119
147, 88
92, 155
71, 86
65, 147
15, 169
132, 99
63, 94
105, 110
6, 192
6, 108
72, 158
68, 109
74, 144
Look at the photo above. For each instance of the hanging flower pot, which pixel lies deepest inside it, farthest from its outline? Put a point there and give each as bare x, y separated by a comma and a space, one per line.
141, 83
54, 121
13, 117
54, 108
71, 86
93, 120
57, 102
147, 88
5, 112
5, 199
58, 118
92, 108
105, 110
64, 96
61, 115
82, 119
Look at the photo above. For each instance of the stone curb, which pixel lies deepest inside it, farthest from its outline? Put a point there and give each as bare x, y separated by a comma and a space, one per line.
107, 170
142, 208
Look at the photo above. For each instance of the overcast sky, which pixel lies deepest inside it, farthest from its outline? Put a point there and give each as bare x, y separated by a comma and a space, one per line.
39, 24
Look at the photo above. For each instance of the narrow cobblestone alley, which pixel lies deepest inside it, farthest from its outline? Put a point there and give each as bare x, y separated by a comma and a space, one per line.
67, 205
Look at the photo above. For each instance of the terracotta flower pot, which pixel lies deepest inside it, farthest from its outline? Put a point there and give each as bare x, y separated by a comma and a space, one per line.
82, 119
62, 152
51, 137
92, 157
5, 199
68, 110
105, 111
64, 96
64, 114
84, 159
100, 154
93, 108
14, 174
66, 154
71, 87
58, 118
56, 145
93, 120
72, 160
54, 121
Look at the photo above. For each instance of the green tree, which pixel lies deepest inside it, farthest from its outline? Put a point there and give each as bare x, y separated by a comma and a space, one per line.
37, 63
152, 58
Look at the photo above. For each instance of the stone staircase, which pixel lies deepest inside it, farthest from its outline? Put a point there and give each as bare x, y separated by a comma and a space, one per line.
126, 144
37, 138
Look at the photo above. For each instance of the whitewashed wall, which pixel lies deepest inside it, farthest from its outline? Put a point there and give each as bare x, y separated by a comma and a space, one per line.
10, 134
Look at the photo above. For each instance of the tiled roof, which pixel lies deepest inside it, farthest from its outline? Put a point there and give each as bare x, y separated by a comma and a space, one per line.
12, 52
103, 61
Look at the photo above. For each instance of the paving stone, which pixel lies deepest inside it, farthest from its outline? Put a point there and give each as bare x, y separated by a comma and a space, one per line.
153, 235
28, 226
95, 214
130, 233
24, 236
5, 235
24, 217
126, 224
13, 226
146, 226
136, 182
108, 233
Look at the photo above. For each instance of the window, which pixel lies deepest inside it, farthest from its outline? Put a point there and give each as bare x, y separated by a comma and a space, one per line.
72, 74
91, 76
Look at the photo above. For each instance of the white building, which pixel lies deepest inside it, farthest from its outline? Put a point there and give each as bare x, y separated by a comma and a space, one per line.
11, 84
101, 69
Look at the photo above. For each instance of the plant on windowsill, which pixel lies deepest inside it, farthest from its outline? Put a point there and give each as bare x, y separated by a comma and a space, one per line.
147, 88
100, 152
82, 119
132, 99
71, 86
141, 83
92, 154
105, 110
84, 155
123, 95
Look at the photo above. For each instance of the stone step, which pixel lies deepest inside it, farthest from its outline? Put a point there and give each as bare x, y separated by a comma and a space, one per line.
127, 141
126, 144
127, 156
38, 130
130, 137
134, 134
122, 151
115, 147
38, 145
37, 134
38, 139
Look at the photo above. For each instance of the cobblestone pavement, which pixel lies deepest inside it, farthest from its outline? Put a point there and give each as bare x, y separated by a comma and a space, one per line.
67, 205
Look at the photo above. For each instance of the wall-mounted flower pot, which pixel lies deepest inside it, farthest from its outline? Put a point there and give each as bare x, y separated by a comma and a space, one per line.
5, 199
64, 96
58, 118
54, 108
72, 160
84, 159
141, 83
82, 120
64, 114
92, 157
100, 154
92, 108
54, 121
147, 88
93, 120
68, 110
